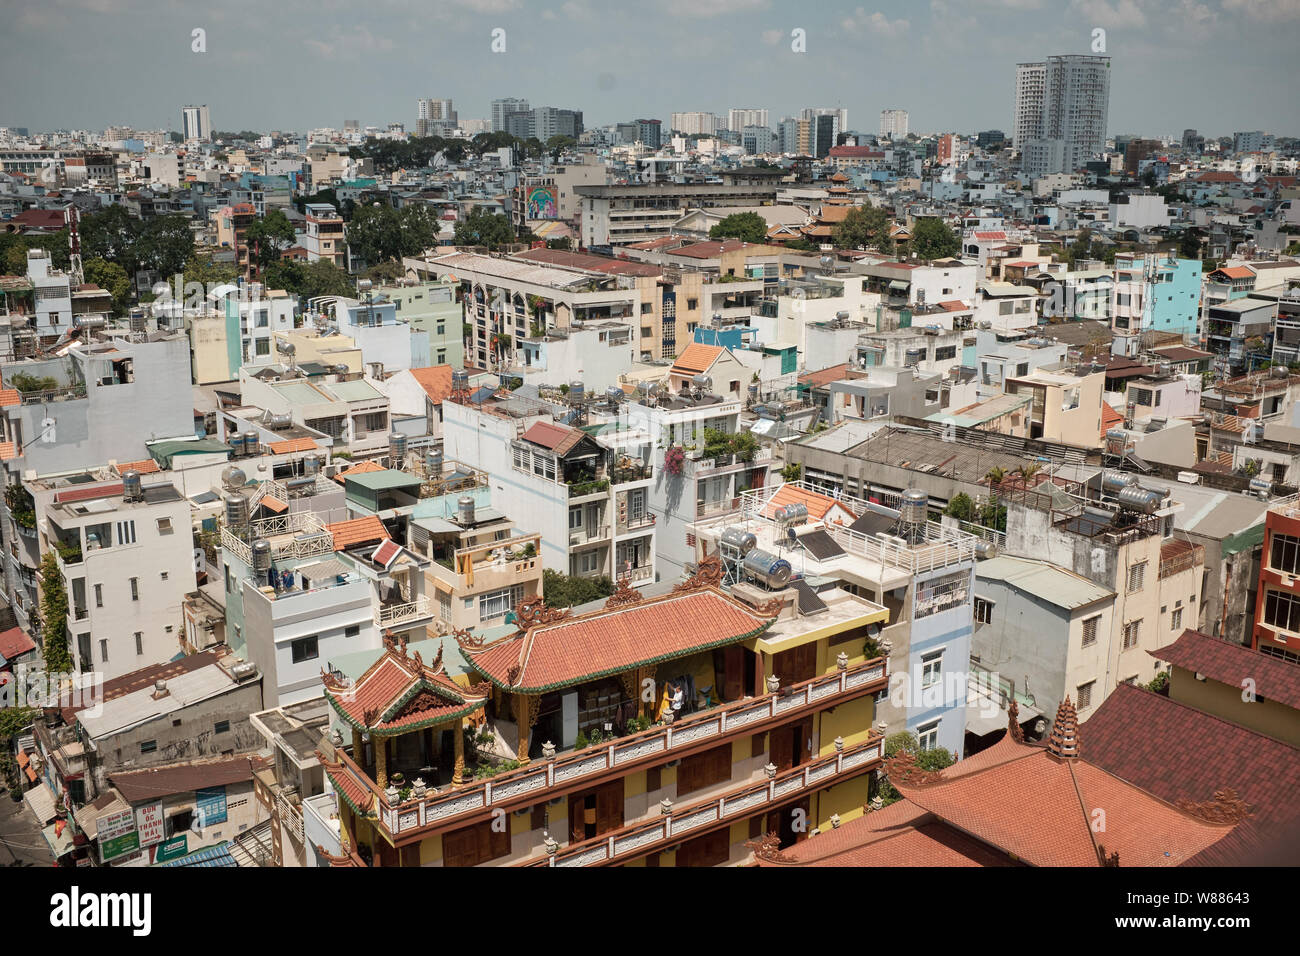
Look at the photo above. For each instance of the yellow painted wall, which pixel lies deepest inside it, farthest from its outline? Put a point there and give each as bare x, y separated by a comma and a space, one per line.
845, 798
431, 850
851, 720
634, 784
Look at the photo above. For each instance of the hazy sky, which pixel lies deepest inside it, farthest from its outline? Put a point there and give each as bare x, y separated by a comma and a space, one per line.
1217, 65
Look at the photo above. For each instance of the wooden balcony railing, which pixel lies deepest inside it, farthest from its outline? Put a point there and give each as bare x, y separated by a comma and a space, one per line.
638, 839
544, 780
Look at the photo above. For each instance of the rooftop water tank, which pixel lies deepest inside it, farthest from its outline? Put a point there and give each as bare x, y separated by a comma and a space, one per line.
131, 487
739, 540
465, 511
250, 443
1113, 482
433, 462
261, 555
577, 391
396, 449
236, 510
767, 569
914, 508
233, 477
1135, 498
311, 465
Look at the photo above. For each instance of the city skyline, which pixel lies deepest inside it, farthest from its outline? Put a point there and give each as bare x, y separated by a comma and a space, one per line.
373, 64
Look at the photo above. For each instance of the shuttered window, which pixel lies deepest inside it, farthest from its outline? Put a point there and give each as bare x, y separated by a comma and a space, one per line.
704, 770
472, 845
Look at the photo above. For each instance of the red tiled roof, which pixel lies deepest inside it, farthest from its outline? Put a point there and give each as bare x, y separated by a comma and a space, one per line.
15, 642
10, 396
8, 451
1227, 663
605, 642
953, 305
89, 494
357, 531
855, 152
435, 380
384, 554
824, 376
590, 263
146, 467
1109, 418
817, 505
995, 236
1235, 272
929, 843
1183, 753
399, 692
707, 250
272, 503
1039, 808
696, 358
39, 219
358, 469
291, 445
557, 438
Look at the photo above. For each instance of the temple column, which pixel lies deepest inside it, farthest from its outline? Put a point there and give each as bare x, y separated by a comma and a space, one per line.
458, 775
523, 721
358, 749
381, 761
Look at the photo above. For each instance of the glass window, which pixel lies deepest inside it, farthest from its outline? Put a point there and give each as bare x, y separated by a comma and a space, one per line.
1284, 555
928, 735
931, 668
303, 649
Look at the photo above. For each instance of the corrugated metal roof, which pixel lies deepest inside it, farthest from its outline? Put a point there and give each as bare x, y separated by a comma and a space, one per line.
1047, 581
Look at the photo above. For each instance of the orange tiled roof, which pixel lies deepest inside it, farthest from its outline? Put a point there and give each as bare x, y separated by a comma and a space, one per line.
398, 692
607, 642
824, 376
1236, 272
292, 445
272, 503
816, 504
357, 531
697, 358
435, 380
146, 467
358, 469
9, 396
8, 450
1109, 418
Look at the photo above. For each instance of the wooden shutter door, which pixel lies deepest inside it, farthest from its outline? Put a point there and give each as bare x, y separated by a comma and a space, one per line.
609, 807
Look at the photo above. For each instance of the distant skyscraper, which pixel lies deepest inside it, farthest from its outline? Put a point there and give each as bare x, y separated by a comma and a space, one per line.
504, 107
195, 123
692, 124
738, 119
893, 123
434, 117
1070, 95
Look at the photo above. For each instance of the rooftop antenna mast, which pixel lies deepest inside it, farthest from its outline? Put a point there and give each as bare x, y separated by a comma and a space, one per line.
72, 216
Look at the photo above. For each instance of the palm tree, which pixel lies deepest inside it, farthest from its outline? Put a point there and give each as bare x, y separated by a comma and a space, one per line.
995, 476
1026, 472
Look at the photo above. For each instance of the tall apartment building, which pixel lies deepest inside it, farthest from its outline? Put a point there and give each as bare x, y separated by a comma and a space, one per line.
893, 123
543, 122
695, 123
1276, 629
1061, 111
739, 118
434, 116
622, 214
504, 107
794, 135
195, 123
324, 236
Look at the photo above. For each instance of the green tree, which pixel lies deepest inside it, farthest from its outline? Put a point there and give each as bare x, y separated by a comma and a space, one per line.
112, 278
201, 269
562, 590
863, 227
374, 233
932, 239
111, 235
308, 280
417, 225
961, 507
746, 226
165, 244
270, 236
563, 242
482, 228
54, 616
558, 144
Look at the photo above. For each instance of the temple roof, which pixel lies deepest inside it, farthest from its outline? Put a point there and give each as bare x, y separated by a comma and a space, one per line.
553, 650
399, 693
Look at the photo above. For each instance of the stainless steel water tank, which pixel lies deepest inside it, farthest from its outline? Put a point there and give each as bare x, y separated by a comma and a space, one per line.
738, 539
769, 570
261, 555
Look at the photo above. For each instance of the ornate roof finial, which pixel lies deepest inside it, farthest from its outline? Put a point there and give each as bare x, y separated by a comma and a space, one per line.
1064, 742
623, 595
1013, 723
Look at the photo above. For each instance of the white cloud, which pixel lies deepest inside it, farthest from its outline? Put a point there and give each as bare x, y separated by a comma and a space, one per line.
350, 44
772, 37
877, 23
1266, 11
708, 9
1104, 13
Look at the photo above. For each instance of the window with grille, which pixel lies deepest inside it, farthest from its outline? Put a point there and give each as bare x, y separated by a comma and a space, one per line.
1132, 631
1136, 576
497, 603
1090, 630
1176, 618
983, 611
1284, 555
1282, 610
1085, 695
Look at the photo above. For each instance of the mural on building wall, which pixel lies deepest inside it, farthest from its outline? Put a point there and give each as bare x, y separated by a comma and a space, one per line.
543, 203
